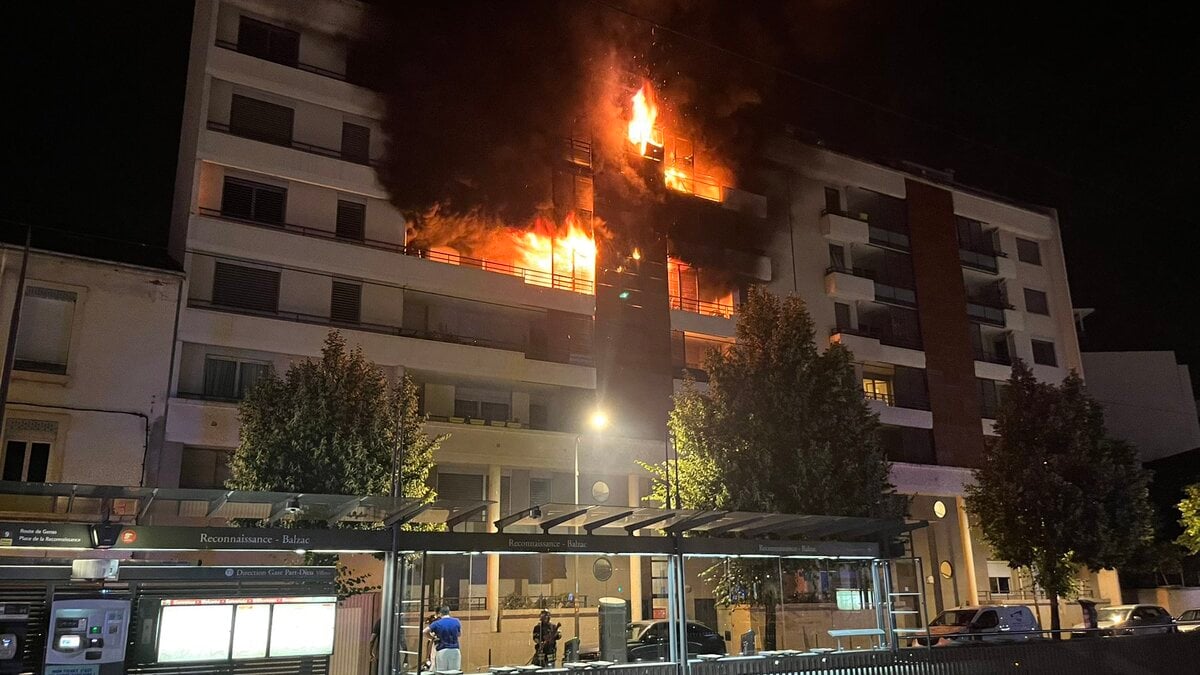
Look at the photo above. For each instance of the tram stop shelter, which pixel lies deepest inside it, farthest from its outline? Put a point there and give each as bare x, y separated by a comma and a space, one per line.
304, 583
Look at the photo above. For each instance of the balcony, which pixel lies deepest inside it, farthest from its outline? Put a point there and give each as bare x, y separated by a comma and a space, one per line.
298, 65
888, 238
844, 227
982, 259
849, 284
311, 149
988, 306
867, 345
572, 283
723, 310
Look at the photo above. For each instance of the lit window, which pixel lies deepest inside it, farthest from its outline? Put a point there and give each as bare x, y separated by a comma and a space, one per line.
877, 389
44, 335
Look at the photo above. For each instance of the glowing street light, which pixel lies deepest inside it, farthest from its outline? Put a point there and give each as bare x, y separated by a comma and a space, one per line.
598, 420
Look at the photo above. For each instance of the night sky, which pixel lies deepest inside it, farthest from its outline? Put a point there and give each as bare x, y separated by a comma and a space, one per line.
1080, 108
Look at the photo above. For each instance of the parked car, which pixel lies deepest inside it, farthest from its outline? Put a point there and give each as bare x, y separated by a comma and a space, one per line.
1129, 620
1190, 615
648, 641
992, 623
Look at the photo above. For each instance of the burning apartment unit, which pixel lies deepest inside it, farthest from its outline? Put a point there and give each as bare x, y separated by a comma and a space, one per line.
624, 264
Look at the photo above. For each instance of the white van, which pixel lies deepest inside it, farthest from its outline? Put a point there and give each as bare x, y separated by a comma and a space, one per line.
993, 623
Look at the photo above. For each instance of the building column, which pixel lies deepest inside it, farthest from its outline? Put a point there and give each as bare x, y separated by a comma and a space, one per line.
493, 559
968, 550
635, 561
1108, 586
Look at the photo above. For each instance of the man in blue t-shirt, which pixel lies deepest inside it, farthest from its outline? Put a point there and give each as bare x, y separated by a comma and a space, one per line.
445, 631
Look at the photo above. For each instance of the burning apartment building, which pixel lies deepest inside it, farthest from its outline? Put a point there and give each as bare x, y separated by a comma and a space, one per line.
535, 237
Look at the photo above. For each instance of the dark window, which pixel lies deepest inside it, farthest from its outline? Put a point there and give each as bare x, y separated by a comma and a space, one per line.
351, 220
466, 409
253, 201
44, 334
356, 143
345, 303
837, 256
907, 444
1028, 251
988, 619
1036, 302
26, 461
260, 120
833, 200
204, 468
991, 394
245, 287
231, 379
459, 486
540, 491
1000, 584
493, 411
265, 41
841, 315
911, 389
539, 417
1043, 353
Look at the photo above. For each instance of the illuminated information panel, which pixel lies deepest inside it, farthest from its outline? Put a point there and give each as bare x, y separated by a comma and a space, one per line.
223, 629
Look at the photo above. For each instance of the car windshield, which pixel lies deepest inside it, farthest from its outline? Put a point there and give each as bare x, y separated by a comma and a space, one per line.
1112, 615
634, 630
954, 617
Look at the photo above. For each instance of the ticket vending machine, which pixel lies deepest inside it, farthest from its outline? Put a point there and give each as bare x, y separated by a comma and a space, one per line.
87, 637
13, 620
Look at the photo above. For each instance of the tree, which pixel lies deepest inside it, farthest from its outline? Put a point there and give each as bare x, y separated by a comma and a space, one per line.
332, 425
1054, 493
1189, 512
780, 427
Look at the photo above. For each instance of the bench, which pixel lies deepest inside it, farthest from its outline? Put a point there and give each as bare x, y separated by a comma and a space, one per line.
852, 633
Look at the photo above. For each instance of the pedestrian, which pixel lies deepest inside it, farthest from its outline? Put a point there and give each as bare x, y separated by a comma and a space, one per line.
545, 641
446, 631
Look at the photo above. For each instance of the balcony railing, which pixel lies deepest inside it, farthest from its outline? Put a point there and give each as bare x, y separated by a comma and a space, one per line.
980, 259
533, 277
886, 397
888, 238
695, 306
316, 70
223, 128
986, 313
888, 338
992, 357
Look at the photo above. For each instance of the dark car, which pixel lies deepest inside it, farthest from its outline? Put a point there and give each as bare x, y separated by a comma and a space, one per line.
1129, 620
648, 641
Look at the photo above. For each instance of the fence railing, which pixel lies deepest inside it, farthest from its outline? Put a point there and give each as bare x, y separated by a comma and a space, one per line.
310, 148
298, 65
704, 307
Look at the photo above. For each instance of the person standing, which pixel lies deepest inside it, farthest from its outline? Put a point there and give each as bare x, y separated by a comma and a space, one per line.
445, 631
545, 641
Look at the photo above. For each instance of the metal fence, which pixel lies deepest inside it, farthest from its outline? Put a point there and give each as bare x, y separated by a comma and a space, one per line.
1135, 655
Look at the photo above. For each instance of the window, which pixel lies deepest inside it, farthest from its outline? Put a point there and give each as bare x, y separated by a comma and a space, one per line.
837, 257
991, 393
833, 200
493, 411
911, 389
1028, 251
999, 576
907, 444
841, 315
1043, 353
245, 287
877, 389
260, 120
539, 416
253, 201
481, 410
204, 468
26, 461
265, 41
988, 619
44, 332
351, 220
540, 491
466, 409
231, 379
345, 302
1036, 302
356, 143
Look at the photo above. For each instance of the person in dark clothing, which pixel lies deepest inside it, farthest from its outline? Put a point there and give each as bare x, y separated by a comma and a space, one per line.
545, 641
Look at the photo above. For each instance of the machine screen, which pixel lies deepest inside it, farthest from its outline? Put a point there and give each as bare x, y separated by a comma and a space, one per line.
69, 643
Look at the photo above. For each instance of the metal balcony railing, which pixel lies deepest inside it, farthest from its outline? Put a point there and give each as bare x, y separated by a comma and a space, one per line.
316, 70
566, 282
696, 306
323, 151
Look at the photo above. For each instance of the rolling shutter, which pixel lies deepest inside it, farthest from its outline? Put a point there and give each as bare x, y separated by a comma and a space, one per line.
260, 120
356, 143
246, 287
351, 220
345, 303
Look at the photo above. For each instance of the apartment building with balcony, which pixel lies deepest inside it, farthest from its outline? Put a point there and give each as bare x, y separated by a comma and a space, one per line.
286, 233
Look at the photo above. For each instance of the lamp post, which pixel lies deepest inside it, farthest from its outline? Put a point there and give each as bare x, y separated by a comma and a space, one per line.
597, 421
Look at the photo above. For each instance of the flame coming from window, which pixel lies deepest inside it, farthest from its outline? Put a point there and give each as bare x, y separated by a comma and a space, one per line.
559, 257
642, 132
679, 173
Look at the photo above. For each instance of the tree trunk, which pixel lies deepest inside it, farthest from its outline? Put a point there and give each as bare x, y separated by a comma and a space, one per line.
1055, 622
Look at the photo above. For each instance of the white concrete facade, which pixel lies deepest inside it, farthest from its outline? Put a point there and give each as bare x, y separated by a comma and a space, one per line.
87, 400
1148, 400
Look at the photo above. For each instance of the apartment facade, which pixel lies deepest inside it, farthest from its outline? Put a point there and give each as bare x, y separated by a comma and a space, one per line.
286, 233
87, 399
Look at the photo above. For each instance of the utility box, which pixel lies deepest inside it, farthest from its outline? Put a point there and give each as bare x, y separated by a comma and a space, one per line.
87, 637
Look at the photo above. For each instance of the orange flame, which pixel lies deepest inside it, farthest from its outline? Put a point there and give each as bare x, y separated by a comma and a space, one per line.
642, 132
558, 257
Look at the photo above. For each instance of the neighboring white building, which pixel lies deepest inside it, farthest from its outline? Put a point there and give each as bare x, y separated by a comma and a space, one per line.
286, 233
1148, 400
91, 370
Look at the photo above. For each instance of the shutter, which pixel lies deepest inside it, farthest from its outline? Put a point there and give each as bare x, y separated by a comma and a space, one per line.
345, 303
461, 487
253, 37
44, 334
220, 378
466, 409
246, 287
237, 199
493, 411
284, 46
351, 220
269, 204
539, 491
356, 143
260, 120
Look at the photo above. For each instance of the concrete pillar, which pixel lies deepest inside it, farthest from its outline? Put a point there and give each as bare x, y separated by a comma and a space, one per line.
635, 561
493, 559
968, 550
1108, 586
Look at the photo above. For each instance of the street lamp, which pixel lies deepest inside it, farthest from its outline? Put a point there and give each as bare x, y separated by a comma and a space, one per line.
597, 421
